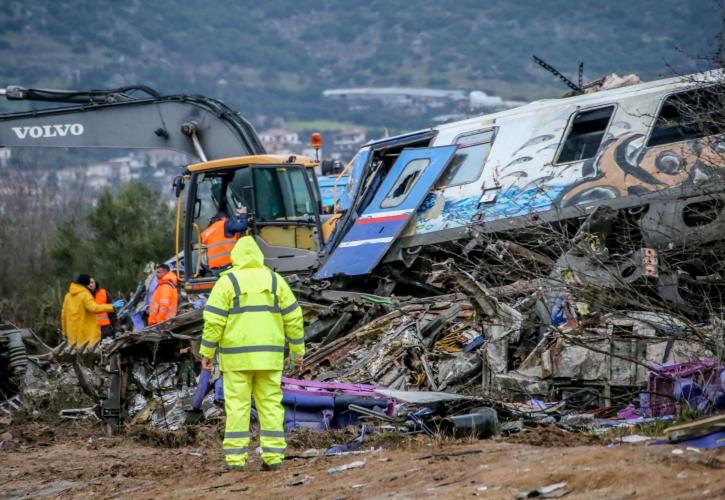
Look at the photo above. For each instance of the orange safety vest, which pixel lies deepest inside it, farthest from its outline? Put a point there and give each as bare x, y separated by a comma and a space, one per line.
102, 298
164, 300
218, 246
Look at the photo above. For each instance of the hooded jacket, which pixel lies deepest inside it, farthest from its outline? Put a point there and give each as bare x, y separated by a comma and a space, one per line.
78, 317
250, 314
164, 300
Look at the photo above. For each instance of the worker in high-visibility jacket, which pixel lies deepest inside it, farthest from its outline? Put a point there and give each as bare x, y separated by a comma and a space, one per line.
100, 295
250, 314
221, 235
78, 316
165, 298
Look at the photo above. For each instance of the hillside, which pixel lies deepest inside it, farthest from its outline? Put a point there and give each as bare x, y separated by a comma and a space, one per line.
274, 58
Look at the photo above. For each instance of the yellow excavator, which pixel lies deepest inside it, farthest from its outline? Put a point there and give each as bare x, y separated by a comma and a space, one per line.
232, 168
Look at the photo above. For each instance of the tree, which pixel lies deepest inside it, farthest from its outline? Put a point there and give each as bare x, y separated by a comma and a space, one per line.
124, 231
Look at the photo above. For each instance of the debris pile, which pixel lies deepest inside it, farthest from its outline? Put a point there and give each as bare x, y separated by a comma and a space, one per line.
497, 337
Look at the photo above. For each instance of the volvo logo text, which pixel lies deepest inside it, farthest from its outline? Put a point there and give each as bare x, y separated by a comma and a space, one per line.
43, 131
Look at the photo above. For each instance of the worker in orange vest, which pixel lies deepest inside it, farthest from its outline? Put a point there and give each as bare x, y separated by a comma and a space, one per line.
104, 320
165, 298
220, 237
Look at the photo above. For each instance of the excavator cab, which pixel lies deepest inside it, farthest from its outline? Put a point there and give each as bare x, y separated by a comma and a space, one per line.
283, 204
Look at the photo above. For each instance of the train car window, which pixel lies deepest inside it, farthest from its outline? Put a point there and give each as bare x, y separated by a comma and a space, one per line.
404, 183
585, 135
689, 115
467, 164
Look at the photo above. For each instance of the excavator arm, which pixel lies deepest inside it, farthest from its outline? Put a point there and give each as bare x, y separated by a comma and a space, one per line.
129, 117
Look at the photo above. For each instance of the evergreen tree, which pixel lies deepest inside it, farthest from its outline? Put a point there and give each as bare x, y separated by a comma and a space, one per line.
125, 230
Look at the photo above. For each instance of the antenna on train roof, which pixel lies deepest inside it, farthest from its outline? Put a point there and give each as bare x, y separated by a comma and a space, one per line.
581, 75
576, 88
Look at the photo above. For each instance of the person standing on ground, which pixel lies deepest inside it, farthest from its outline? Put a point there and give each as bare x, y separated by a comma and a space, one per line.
165, 299
250, 313
100, 295
221, 235
78, 316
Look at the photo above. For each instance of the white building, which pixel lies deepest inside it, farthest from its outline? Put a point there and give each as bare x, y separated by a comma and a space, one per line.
279, 137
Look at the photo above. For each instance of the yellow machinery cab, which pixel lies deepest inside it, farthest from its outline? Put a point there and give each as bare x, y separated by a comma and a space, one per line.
283, 202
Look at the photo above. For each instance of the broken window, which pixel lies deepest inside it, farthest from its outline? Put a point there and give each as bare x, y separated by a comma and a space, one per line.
467, 164
405, 183
585, 135
690, 115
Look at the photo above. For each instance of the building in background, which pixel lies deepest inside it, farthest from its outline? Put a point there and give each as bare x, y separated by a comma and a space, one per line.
345, 143
281, 141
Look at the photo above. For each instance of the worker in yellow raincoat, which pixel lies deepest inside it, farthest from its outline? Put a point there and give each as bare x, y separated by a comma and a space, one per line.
78, 317
250, 314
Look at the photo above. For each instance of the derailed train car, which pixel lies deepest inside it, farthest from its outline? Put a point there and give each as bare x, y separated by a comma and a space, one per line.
649, 152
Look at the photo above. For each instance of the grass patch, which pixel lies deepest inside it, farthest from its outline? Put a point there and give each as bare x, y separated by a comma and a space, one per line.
656, 428
321, 126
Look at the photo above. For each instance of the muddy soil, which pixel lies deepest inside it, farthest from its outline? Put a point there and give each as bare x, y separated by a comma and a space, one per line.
76, 460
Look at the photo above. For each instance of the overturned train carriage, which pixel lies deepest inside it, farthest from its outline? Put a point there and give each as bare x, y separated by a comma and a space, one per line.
541, 175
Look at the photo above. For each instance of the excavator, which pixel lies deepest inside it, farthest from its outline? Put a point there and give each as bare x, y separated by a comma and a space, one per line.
646, 156
230, 168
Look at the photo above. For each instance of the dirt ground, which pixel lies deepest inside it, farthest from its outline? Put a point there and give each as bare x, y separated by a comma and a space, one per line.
77, 460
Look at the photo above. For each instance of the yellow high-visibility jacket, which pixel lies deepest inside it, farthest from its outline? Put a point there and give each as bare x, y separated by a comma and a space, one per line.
78, 317
250, 312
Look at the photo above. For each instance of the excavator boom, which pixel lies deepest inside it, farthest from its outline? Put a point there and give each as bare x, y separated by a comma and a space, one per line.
199, 126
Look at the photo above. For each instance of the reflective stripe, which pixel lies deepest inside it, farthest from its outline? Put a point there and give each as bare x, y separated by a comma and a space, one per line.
290, 308
274, 291
298, 341
244, 309
235, 451
272, 450
220, 255
207, 343
271, 434
235, 435
237, 290
251, 348
274, 309
164, 301
216, 310
221, 243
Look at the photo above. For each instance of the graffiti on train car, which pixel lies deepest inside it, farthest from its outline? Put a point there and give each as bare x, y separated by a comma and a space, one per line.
623, 167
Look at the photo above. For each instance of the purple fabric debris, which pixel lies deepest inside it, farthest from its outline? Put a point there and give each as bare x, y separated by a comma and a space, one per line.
629, 412
671, 387
322, 405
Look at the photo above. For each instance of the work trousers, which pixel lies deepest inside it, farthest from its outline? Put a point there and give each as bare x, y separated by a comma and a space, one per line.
107, 332
266, 387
